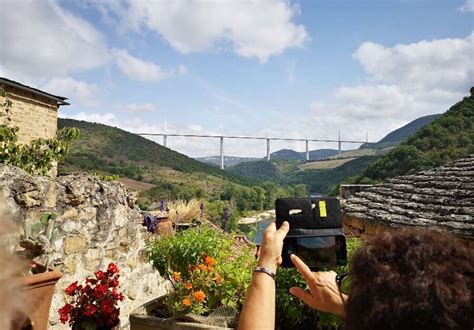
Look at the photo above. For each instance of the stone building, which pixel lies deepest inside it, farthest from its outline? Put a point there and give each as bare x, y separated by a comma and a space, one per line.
439, 199
35, 112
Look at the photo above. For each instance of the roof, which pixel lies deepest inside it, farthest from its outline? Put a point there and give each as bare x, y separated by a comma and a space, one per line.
59, 99
441, 199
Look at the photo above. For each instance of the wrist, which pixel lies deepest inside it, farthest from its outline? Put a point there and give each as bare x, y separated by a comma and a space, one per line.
268, 264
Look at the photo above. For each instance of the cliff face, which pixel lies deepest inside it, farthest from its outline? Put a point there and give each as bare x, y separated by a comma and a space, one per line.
98, 222
440, 199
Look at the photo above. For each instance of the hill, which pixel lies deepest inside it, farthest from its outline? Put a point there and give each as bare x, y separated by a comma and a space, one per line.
162, 173
322, 176
228, 160
289, 154
447, 138
395, 137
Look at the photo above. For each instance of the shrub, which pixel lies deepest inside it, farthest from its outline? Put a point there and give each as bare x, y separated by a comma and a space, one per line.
178, 254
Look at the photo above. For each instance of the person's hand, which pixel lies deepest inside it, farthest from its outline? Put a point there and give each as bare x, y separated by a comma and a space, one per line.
272, 244
324, 294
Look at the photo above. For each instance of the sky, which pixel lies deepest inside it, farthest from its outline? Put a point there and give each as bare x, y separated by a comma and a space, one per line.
261, 68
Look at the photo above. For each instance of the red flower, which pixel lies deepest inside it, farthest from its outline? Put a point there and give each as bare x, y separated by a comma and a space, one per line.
101, 290
90, 310
96, 301
100, 275
71, 289
107, 307
112, 268
64, 313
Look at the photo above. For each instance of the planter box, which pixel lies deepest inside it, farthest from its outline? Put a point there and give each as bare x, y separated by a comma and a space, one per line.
142, 318
39, 289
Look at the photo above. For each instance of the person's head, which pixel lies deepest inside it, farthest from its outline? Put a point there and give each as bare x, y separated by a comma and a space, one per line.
411, 279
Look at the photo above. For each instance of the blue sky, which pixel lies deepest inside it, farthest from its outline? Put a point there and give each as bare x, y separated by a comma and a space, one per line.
254, 67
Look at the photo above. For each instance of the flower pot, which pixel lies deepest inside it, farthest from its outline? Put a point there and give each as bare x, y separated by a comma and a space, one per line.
144, 318
39, 289
164, 227
81, 327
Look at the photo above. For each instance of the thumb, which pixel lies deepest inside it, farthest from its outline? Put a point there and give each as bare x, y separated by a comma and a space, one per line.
303, 295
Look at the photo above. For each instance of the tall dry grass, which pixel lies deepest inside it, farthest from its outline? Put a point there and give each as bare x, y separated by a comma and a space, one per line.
184, 212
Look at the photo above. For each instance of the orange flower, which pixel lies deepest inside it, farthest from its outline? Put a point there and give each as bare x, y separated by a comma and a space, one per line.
218, 279
202, 267
210, 261
188, 285
210, 269
176, 276
187, 302
199, 296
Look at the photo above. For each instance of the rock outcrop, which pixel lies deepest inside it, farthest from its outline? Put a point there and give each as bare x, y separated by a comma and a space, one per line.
439, 199
98, 222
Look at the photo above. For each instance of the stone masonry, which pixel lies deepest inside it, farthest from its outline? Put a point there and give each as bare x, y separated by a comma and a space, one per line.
34, 112
99, 222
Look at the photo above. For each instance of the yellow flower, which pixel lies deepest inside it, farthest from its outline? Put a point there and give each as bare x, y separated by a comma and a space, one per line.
176, 276
199, 296
187, 302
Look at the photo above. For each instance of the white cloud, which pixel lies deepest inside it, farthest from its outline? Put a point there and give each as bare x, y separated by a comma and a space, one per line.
443, 63
141, 70
106, 118
75, 90
404, 82
468, 6
254, 29
136, 108
41, 39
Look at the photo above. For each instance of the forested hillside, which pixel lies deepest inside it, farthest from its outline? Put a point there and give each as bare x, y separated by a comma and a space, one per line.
447, 138
107, 150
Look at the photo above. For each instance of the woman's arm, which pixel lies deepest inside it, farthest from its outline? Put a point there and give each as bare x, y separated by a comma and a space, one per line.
259, 307
324, 294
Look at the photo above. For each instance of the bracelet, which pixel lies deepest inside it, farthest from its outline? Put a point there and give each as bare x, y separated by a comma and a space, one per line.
265, 270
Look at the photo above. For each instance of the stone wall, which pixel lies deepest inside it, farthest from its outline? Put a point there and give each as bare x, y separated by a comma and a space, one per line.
35, 116
98, 223
354, 226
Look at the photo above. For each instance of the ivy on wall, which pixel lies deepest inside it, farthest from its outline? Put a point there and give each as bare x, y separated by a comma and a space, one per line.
39, 155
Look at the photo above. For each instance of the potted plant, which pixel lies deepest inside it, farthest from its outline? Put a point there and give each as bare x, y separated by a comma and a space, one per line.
93, 305
209, 276
39, 284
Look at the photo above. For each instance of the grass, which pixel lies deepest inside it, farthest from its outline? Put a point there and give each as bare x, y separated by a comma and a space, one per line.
324, 164
354, 153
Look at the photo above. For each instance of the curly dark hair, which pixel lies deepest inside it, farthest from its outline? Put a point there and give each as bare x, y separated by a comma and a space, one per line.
411, 279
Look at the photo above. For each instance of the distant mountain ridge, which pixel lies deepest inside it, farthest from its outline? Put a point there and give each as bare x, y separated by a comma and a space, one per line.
322, 181
289, 154
228, 160
395, 137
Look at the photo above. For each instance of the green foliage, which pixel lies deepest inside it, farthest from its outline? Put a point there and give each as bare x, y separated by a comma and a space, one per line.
37, 239
102, 177
178, 253
38, 156
445, 139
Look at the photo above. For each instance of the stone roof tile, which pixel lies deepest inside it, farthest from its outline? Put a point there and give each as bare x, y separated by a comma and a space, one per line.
441, 199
